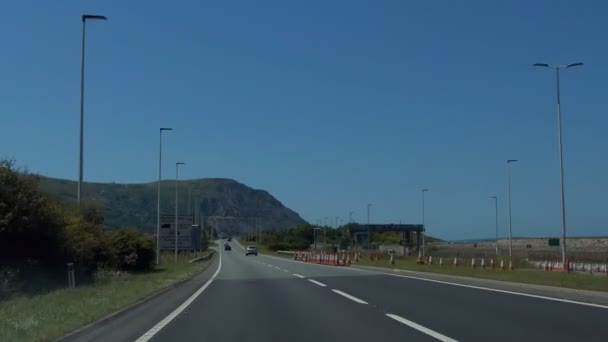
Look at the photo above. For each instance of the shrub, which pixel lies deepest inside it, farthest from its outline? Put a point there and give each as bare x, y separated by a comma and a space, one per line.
133, 250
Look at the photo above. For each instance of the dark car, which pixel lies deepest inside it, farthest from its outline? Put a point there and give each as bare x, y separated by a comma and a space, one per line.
227, 247
230, 238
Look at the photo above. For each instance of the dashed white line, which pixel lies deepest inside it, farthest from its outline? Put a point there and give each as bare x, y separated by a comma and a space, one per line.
278, 268
286, 271
269, 265
298, 275
316, 282
422, 329
353, 298
155, 329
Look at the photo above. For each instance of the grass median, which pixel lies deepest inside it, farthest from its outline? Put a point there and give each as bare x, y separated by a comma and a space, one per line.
519, 275
49, 316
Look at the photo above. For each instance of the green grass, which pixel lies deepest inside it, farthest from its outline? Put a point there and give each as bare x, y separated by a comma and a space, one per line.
519, 275
50, 316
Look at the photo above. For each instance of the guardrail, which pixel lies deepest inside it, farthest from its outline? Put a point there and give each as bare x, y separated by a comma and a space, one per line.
286, 252
205, 257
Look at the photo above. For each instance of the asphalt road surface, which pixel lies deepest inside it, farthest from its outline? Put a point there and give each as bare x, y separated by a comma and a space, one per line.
264, 298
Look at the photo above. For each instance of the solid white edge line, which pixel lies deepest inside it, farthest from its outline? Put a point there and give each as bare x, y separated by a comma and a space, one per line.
298, 275
353, 298
155, 329
317, 282
500, 291
420, 328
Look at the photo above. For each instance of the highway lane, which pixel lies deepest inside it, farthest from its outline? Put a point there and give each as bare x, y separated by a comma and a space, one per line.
463, 313
266, 298
253, 300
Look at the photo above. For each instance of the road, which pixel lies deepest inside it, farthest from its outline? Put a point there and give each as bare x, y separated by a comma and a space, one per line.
266, 298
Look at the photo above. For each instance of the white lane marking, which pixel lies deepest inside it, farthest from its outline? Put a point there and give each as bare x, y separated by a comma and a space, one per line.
278, 268
344, 294
317, 282
299, 276
320, 265
420, 328
155, 329
568, 301
501, 291
286, 271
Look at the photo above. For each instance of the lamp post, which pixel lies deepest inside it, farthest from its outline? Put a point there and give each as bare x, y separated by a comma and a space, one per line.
369, 232
85, 17
423, 226
510, 218
561, 154
496, 218
176, 199
160, 157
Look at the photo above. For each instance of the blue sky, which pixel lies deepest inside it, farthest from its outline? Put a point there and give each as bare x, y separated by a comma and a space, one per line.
329, 105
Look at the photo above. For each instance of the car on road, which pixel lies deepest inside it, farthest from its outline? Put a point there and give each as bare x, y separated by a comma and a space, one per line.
251, 250
230, 238
227, 247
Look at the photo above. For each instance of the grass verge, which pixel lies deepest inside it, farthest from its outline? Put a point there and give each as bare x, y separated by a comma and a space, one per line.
521, 275
49, 316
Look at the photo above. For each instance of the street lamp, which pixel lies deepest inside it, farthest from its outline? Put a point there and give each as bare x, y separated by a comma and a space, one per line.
160, 157
496, 210
423, 227
176, 199
315, 235
510, 218
369, 232
561, 155
85, 17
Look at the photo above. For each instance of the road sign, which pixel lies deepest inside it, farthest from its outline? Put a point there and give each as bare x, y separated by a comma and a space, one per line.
188, 237
554, 242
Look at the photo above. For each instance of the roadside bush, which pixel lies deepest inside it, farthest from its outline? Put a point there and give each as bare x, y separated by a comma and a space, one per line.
28, 228
133, 250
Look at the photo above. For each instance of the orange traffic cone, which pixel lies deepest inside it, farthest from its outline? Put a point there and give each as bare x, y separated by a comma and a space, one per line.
483, 263
492, 263
455, 261
502, 265
430, 260
473, 262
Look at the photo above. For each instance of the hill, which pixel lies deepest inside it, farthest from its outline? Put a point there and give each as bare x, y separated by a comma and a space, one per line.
134, 205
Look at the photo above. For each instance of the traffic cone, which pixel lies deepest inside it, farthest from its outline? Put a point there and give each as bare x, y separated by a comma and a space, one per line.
440, 261
455, 261
492, 263
502, 265
483, 263
473, 262
430, 260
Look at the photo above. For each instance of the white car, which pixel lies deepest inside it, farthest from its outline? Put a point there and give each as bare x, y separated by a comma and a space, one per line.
251, 250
